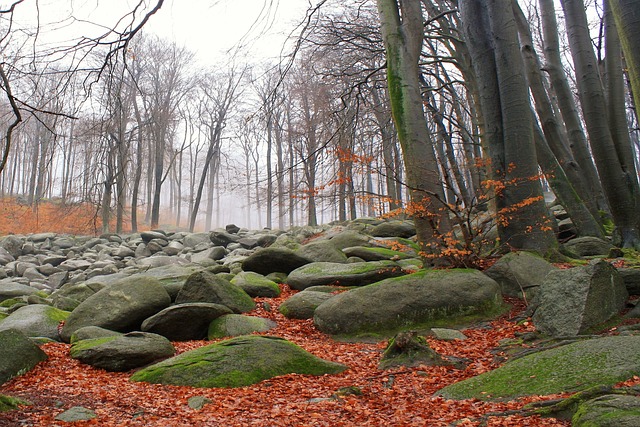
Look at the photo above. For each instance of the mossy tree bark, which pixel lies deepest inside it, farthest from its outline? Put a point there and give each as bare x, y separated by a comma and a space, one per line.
402, 31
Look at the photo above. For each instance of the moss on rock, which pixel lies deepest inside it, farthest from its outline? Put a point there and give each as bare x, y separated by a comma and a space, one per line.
236, 362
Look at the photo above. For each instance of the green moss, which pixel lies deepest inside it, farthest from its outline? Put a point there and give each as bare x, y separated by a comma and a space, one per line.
236, 362
8, 403
569, 368
82, 345
11, 302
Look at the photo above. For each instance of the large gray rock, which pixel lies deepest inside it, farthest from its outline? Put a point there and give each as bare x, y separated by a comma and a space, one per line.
520, 274
120, 353
394, 228
569, 368
36, 320
415, 301
184, 322
207, 287
120, 307
356, 274
571, 301
303, 304
612, 410
11, 289
350, 238
322, 251
237, 362
233, 325
631, 278
377, 254
274, 260
13, 245
18, 355
588, 246
256, 285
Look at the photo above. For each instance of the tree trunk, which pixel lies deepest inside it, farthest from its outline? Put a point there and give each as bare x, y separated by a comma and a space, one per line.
620, 188
402, 36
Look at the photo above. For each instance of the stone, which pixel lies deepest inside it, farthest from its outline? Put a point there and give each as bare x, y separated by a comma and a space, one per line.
76, 413
415, 301
256, 285
588, 246
123, 352
568, 368
11, 289
222, 238
303, 304
36, 320
211, 254
92, 332
236, 362
569, 302
207, 287
198, 402
520, 274
631, 278
12, 245
394, 228
612, 410
148, 236
350, 238
358, 274
274, 260
233, 325
184, 322
18, 355
121, 306
377, 254
322, 251
445, 334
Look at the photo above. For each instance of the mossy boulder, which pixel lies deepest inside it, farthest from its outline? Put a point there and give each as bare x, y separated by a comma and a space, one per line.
394, 228
322, 251
91, 332
122, 352
236, 362
303, 304
37, 320
377, 254
416, 301
232, 325
10, 289
18, 355
612, 410
569, 368
588, 246
329, 273
120, 307
212, 288
256, 285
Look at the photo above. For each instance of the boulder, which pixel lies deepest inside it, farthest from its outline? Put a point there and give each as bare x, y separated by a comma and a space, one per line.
274, 260
184, 322
18, 355
303, 304
12, 245
236, 362
329, 273
120, 307
222, 238
233, 325
76, 413
611, 410
569, 368
415, 301
588, 246
37, 320
376, 254
571, 301
394, 228
520, 274
256, 285
122, 352
192, 240
631, 278
212, 254
91, 332
207, 287
322, 251
10, 289
350, 238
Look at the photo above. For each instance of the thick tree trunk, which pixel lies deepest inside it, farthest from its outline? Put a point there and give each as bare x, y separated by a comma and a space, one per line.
523, 221
619, 186
402, 32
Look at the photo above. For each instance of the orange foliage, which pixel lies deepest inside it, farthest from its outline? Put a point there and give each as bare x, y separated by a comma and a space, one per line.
397, 397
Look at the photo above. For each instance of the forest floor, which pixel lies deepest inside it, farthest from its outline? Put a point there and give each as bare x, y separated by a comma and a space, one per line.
396, 397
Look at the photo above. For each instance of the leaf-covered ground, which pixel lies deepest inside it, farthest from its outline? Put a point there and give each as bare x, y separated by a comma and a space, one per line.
398, 397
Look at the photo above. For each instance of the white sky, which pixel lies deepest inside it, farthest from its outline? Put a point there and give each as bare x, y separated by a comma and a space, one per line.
207, 27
